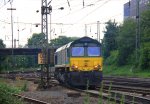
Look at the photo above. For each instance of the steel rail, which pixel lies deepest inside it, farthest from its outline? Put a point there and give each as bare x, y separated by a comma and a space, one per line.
130, 99
115, 96
30, 100
139, 90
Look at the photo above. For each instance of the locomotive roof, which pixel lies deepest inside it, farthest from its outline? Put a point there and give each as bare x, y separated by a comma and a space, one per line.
64, 47
84, 40
80, 40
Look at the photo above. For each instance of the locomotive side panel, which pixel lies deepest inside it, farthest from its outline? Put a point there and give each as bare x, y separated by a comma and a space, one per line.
61, 58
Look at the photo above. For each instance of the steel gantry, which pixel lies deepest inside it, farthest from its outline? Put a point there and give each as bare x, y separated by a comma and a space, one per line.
45, 77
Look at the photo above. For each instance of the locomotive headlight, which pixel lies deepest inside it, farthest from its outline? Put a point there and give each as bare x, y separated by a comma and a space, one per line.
97, 67
74, 67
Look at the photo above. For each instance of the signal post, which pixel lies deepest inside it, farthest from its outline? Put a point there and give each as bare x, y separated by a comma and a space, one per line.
45, 10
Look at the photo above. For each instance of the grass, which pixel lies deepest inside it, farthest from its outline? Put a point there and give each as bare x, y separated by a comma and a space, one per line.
6, 96
109, 100
109, 94
87, 97
9, 87
20, 85
125, 71
100, 100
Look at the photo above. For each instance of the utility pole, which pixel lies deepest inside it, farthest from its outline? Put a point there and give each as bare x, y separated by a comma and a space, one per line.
85, 29
98, 31
50, 27
18, 32
137, 28
11, 9
15, 43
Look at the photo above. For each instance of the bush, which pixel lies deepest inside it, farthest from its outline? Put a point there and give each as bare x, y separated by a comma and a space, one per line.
6, 96
111, 60
145, 58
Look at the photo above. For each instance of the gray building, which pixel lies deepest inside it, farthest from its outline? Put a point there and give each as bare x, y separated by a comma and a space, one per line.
130, 8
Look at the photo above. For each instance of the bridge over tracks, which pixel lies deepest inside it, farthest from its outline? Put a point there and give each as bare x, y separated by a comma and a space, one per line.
22, 51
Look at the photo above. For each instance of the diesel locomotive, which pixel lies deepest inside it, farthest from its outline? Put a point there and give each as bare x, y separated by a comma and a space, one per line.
79, 62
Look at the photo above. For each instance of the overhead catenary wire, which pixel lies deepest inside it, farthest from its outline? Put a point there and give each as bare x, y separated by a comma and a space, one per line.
5, 3
87, 3
94, 3
93, 10
4, 21
68, 4
89, 13
80, 10
76, 5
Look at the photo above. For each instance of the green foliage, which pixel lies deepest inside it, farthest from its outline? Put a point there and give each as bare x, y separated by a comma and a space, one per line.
126, 70
36, 40
24, 88
6, 64
145, 41
115, 97
145, 58
133, 98
6, 95
109, 94
21, 61
2, 45
62, 40
122, 99
2, 58
111, 60
126, 41
31, 61
87, 97
9, 89
109, 41
100, 100
145, 24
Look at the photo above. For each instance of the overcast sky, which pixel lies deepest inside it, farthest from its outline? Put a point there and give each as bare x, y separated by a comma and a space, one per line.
70, 21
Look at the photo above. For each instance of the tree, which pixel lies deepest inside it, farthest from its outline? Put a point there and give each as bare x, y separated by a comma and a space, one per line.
36, 40
2, 58
62, 40
109, 41
145, 40
126, 41
2, 45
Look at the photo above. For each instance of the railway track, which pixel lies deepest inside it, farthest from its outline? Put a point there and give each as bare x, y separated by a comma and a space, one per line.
121, 88
118, 97
29, 100
127, 81
127, 98
112, 96
138, 90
